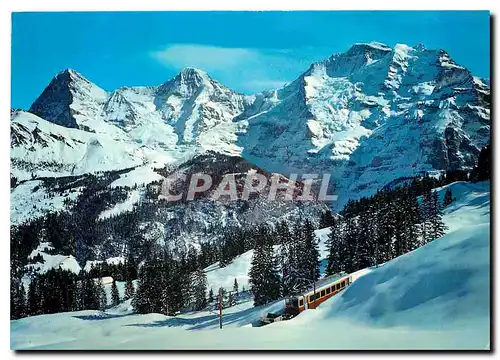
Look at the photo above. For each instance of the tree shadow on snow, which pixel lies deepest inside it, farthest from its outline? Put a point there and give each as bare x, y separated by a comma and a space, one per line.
244, 317
102, 316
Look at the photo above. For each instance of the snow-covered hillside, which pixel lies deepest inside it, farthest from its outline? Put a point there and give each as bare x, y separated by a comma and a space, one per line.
40, 148
435, 297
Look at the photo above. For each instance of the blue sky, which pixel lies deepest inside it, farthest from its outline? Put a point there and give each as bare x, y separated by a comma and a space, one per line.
248, 51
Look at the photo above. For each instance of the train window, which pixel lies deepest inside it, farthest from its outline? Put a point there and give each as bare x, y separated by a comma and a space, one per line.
343, 283
328, 291
338, 286
311, 298
301, 302
322, 292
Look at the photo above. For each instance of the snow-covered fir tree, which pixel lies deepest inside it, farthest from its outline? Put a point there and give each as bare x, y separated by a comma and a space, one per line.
129, 289
263, 275
437, 226
198, 287
115, 295
103, 300
448, 198
235, 287
211, 298
309, 253
334, 244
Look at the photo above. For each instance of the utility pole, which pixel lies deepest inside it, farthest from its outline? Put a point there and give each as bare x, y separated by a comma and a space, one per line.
314, 283
220, 308
314, 291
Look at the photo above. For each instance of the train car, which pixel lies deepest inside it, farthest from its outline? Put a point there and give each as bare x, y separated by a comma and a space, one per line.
325, 289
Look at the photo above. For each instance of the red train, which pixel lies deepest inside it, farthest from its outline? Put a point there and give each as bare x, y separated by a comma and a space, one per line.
325, 289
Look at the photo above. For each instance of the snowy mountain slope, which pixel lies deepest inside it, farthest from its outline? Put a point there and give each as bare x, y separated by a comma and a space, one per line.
31, 200
443, 285
218, 277
471, 206
42, 148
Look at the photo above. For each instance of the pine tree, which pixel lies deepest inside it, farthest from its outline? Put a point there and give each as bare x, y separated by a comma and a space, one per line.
334, 244
365, 238
437, 226
263, 274
129, 289
412, 230
178, 286
426, 213
211, 296
399, 217
163, 286
482, 171
143, 302
198, 289
309, 267
18, 304
34, 298
448, 198
431, 212
235, 286
350, 245
90, 300
298, 271
130, 268
285, 242
115, 295
326, 219
385, 230
103, 300
221, 297
79, 305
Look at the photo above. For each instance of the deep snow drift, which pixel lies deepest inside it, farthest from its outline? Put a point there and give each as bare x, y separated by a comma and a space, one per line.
436, 297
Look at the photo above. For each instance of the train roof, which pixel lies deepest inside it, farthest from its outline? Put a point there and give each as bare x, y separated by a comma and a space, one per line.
324, 282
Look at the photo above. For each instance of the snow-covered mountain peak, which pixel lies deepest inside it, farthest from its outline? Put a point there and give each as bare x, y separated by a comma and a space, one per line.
373, 45
194, 103
193, 74
189, 82
359, 55
416, 106
72, 74
370, 114
67, 96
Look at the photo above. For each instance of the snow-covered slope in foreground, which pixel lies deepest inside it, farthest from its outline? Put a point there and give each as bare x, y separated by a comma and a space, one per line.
436, 297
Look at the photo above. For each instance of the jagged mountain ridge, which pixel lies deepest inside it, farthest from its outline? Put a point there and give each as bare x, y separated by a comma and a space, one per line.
368, 116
